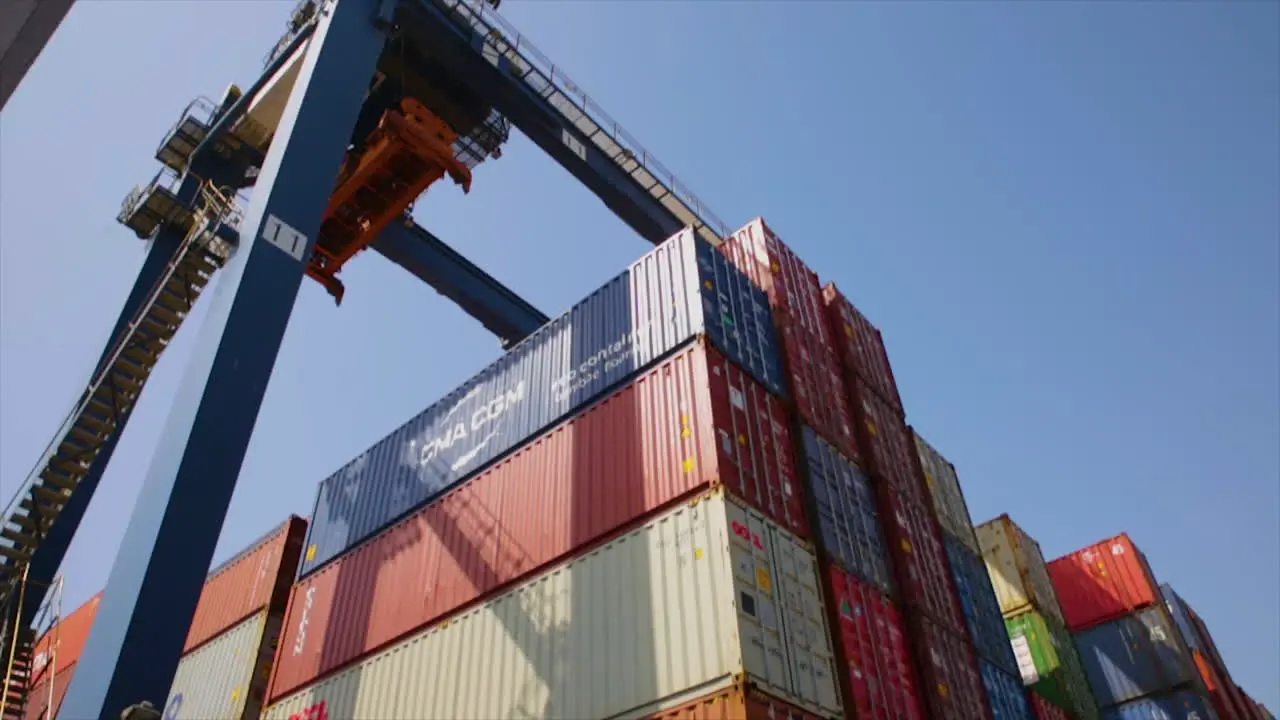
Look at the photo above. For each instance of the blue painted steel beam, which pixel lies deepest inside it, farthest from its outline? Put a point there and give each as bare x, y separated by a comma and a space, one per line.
151, 594
428, 258
25, 28
457, 50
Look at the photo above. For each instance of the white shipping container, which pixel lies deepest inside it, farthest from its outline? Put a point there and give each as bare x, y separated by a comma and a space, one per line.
226, 678
948, 498
689, 603
1017, 569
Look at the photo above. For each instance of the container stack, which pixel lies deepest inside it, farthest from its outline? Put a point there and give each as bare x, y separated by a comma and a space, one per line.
871, 646
227, 655
606, 522
1224, 694
1138, 663
950, 680
1033, 619
996, 661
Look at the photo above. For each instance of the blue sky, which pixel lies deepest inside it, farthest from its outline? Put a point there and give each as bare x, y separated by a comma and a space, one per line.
1064, 216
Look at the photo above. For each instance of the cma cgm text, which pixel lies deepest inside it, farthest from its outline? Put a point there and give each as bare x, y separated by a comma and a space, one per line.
483, 416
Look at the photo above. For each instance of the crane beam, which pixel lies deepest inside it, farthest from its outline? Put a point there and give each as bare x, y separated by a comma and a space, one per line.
25, 28
133, 649
428, 258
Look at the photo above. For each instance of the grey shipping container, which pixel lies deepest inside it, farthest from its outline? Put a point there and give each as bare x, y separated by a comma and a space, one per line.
1135, 656
848, 523
1185, 705
682, 289
226, 678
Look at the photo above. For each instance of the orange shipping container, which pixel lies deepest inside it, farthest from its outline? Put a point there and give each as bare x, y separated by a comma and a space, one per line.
1102, 582
45, 699
63, 643
258, 577
735, 703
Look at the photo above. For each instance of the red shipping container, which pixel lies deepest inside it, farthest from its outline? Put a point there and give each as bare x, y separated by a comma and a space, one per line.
45, 700
871, 641
813, 370
887, 443
950, 683
248, 582
735, 703
1102, 582
693, 422
860, 346
919, 559
1045, 710
60, 646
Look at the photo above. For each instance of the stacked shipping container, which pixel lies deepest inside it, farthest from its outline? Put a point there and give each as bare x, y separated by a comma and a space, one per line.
1221, 689
997, 664
1137, 660
228, 650
608, 521
1042, 647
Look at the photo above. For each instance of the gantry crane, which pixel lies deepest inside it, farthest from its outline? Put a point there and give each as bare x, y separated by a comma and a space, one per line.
387, 96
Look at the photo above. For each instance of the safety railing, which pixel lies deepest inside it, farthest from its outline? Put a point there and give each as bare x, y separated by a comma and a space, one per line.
549, 81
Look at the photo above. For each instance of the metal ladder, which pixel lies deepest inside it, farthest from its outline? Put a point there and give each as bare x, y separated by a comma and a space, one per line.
113, 389
25, 671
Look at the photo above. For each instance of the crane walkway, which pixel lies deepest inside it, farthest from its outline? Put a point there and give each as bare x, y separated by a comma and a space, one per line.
118, 382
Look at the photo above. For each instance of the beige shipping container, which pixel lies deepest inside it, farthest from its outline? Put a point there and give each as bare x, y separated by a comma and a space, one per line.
226, 678
1017, 569
948, 498
706, 595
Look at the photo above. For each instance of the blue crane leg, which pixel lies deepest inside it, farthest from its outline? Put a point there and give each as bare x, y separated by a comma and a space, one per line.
151, 594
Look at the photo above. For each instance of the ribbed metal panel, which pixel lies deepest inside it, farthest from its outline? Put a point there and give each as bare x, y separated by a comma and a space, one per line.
948, 499
691, 601
226, 678
1017, 569
1005, 693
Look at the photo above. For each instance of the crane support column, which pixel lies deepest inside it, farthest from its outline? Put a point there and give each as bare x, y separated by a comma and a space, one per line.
133, 650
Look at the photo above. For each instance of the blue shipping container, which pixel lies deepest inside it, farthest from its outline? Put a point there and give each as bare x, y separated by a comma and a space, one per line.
847, 519
1135, 656
981, 608
1006, 693
1184, 705
680, 290
1182, 618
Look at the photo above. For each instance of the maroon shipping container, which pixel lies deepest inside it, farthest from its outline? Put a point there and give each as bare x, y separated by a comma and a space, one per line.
887, 443
693, 422
879, 681
1102, 582
813, 370
919, 559
248, 582
860, 346
950, 683
1045, 710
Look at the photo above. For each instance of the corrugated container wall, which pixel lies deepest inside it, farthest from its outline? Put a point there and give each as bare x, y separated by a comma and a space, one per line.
848, 521
1103, 581
694, 422
812, 367
248, 582
1017, 569
1005, 693
1135, 656
880, 675
735, 703
682, 289
1175, 706
1238, 700
948, 498
704, 596
45, 699
952, 687
1216, 681
226, 678
60, 647
1049, 663
860, 346
919, 561
886, 443
1042, 709
978, 600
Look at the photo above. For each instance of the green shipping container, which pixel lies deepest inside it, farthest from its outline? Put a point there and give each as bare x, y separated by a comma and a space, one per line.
1049, 663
